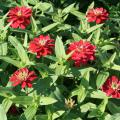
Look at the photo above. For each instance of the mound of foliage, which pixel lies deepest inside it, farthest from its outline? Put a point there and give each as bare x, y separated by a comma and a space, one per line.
59, 60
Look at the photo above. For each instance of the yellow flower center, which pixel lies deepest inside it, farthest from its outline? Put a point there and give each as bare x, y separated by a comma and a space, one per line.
80, 48
19, 13
115, 86
42, 42
22, 76
97, 12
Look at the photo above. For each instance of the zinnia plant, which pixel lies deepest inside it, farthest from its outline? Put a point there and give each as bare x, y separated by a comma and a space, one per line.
19, 17
84, 51
98, 15
112, 87
43, 45
24, 77
59, 60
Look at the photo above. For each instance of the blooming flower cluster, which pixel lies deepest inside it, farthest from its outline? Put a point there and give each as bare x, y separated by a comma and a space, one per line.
84, 51
24, 77
20, 17
59, 58
112, 87
43, 45
98, 15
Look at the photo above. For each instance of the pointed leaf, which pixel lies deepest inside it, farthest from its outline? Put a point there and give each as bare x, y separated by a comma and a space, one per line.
3, 48
21, 52
47, 100
30, 112
22, 100
34, 25
11, 61
49, 27
2, 113
6, 103
59, 48
93, 28
68, 9
101, 78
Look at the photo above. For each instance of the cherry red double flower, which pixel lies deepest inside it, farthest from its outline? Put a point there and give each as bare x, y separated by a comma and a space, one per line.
24, 77
112, 87
42, 46
98, 15
20, 17
83, 51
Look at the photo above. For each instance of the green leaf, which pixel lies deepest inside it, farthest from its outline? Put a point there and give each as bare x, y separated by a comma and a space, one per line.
59, 48
108, 47
60, 70
85, 73
93, 28
86, 107
43, 6
78, 14
30, 112
103, 104
91, 5
110, 61
49, 27
95, 113
99, 111
57, 114
76, 37
113, 108
68, 9
47, 100
3, 49
69, 55
80, 92
103, 57
6, 92
25, 44
24, 3
107, 117
101, 78
97, 35
11, 61
90, 37
41, 117
98, 94
21, 52
22, 100
33, 2
2, 113
115, 117
34, 25
7, 26
6, 103
115, 67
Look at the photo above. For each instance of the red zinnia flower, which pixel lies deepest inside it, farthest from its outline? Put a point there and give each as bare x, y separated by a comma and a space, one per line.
24, 77
20, 17
42, 46
112, 87
13, 110
83, 52
98, 15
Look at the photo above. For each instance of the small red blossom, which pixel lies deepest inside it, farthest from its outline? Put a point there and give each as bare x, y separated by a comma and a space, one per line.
13, 110
43, 45
19, 16
112, 87
98, 15
24, 77
83, 51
